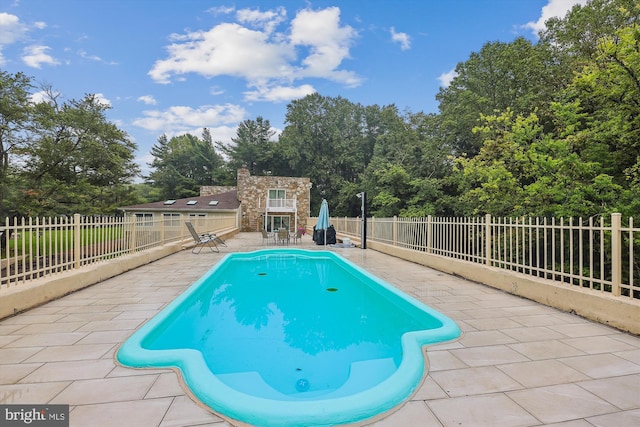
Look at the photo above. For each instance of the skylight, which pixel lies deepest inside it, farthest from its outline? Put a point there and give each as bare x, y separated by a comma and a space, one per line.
192, 202
213, 203
169, 202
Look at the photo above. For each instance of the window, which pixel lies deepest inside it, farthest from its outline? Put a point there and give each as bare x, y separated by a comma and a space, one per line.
197, 218
278, 221
144, 219
171, 219
277, 194
277, 198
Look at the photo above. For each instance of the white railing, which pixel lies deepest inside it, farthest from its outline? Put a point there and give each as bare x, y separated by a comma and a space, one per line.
38, 247
599, 254
287, 204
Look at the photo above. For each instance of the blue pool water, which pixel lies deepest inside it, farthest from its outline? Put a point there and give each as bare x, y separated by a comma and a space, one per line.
289, 337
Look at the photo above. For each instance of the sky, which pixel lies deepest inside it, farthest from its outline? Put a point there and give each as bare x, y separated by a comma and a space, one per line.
177, 66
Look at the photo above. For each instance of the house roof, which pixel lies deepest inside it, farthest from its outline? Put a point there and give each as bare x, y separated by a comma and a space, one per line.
226, 201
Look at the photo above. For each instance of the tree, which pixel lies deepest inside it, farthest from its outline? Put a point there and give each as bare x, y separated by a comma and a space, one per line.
184, 163
252, 147
76, 161
15, 119
325, 139
516, 75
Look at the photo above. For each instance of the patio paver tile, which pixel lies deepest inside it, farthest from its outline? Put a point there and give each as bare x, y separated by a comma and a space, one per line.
50, 328
84, 392
485, 338
166, 385
626, 418
583, 329
429, 390
61, 353
441, 360
602, 365
184, 411
11, 374
542, 373
632, 356
413, 413
489, 355
16, 355
598, 344
139, 413
481, 411
41, 393
533, 333
69, 370
562, 402
106, 337
624, 392
43, 340
473, 381
547, 349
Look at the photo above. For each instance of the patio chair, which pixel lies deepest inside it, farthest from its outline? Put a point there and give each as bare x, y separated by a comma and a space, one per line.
283, 235
202, 240
267, 237
297, 236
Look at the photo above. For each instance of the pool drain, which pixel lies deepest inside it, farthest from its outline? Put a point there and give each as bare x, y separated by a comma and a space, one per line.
302, 385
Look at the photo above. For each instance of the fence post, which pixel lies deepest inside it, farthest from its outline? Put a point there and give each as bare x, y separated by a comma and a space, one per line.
487, 241
373, 227
616, 253
429, 234
76, 240
132, 237
395, 231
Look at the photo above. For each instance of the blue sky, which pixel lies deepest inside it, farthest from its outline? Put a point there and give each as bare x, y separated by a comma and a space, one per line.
169, 66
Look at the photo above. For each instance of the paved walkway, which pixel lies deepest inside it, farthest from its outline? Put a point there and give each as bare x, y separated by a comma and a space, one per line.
518, 363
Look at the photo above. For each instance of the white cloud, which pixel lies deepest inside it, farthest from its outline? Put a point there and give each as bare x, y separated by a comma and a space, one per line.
226, 49
42, 96
147, 99
268, 20
261, 55
402, 38
101, 99
183, 119
555, 8
221, 10
279, 93
36, 55
328, 43
446, 78
11, 29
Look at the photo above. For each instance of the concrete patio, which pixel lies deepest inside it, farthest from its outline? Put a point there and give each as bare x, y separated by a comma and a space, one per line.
518, 363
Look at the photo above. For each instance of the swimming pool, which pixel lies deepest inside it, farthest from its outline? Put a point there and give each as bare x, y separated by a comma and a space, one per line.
290, 337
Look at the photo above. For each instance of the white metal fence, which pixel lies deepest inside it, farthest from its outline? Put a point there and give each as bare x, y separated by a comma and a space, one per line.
596, 253
38, 247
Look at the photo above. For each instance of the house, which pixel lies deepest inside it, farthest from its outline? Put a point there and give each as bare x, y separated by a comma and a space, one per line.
270, 202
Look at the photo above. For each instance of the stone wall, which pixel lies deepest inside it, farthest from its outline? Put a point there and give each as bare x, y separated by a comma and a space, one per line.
253, 191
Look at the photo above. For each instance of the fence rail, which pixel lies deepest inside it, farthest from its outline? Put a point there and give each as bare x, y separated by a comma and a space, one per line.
599, 254
38, 247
